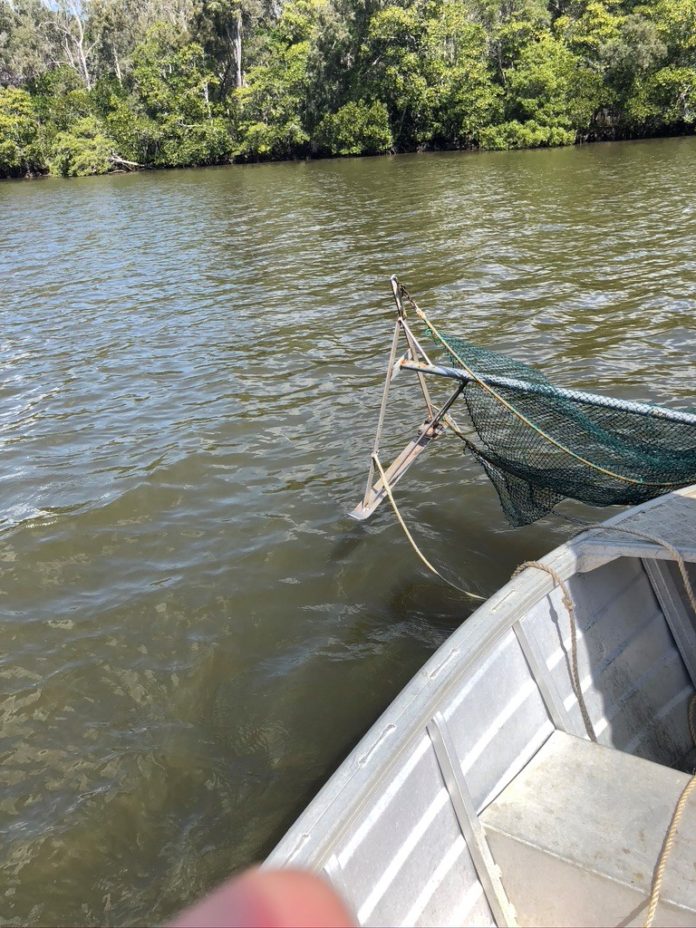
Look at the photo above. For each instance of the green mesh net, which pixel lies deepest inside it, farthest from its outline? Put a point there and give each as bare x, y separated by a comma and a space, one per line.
548, 444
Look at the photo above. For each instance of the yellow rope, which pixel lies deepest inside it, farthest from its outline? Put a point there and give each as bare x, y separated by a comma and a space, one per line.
670, 836
676, 554
494, 393
387, 487
455, 428
668, 843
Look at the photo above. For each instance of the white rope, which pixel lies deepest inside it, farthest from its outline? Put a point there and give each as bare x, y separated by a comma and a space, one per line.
409, 536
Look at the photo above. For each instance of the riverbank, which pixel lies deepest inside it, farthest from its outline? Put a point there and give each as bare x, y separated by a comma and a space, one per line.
119, 167
90, 90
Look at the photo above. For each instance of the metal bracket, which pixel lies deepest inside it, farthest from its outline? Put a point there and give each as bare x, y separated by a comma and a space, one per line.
435, 422
486, 868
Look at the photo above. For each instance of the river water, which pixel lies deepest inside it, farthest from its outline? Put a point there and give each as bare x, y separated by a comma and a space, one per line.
193, 633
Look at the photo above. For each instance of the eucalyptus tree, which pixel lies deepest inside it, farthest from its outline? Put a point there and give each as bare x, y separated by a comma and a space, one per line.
231, 31
28, 45
118, 26
70, 26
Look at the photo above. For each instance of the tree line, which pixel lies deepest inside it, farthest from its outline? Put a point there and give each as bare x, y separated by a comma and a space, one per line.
91, 86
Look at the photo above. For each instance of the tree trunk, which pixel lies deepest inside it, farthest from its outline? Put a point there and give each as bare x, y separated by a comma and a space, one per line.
117, 67
238, 49
73, 41
80, 49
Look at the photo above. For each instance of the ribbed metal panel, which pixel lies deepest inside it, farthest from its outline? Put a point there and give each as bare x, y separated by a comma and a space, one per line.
634, 681
405, 854
388, 829
497, 720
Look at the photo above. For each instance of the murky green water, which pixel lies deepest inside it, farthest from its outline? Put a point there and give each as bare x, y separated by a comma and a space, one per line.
193, 634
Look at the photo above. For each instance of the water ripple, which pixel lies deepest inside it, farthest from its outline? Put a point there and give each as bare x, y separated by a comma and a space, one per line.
190, 365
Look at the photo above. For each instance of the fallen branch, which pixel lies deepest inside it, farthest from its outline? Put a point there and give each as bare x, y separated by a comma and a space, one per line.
118, 161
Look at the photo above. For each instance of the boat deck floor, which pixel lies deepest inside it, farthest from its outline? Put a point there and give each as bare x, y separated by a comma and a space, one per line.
578, 832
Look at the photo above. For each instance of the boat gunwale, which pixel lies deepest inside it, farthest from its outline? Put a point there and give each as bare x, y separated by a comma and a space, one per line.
416, 703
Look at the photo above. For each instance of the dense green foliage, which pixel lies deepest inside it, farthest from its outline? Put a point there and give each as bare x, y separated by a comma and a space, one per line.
89, 86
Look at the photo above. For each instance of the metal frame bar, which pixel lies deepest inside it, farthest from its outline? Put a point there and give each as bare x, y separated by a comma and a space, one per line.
382, 409
414, 348
534, 656
474, 834
429, 431
592, 399
436, 419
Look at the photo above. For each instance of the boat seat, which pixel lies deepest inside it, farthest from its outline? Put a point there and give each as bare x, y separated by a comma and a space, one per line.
578, 832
